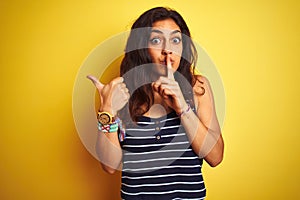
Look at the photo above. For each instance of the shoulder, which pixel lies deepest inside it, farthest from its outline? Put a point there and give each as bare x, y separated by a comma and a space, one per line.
201, 86
203, 97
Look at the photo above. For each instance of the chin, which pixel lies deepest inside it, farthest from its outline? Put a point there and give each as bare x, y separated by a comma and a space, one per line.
159, 70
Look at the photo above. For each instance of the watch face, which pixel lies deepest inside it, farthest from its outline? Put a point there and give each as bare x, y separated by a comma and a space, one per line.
104, 118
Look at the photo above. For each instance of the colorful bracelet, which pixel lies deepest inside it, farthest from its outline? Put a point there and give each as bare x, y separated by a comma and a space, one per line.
122, 132
114, 127
109, 128
185, 111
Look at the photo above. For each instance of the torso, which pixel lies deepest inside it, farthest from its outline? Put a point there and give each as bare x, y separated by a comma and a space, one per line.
158, 161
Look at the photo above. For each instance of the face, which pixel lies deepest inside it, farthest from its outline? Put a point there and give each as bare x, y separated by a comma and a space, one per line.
165, 38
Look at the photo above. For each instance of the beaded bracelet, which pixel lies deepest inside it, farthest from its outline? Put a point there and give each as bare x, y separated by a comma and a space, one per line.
122, 132
114, 127
185, 111
109, 128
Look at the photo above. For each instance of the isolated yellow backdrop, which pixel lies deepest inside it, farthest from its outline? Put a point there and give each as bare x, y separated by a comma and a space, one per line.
254, 44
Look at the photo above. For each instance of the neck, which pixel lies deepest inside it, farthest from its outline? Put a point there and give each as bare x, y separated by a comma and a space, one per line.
159, 108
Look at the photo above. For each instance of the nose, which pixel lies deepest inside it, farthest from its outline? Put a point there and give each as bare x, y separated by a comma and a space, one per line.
166, 52
166, 48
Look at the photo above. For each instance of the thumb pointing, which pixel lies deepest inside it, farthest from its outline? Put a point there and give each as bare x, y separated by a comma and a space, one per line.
96, 82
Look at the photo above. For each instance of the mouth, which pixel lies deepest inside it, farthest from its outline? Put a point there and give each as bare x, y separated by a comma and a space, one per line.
162, 62
165, 63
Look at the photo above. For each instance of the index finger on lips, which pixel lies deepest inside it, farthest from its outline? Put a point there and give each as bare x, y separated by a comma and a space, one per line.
169, 67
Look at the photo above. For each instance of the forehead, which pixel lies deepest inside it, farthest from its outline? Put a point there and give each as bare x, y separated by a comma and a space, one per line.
167, 24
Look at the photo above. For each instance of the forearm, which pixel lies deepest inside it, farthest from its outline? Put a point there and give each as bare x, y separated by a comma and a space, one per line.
206, 141
109, 151
113, 97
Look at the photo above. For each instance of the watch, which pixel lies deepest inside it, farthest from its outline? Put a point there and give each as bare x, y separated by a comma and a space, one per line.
105, 118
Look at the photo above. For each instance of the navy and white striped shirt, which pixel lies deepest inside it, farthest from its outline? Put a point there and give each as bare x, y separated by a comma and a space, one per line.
159, 163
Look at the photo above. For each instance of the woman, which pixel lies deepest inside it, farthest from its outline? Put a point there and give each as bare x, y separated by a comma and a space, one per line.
158, 119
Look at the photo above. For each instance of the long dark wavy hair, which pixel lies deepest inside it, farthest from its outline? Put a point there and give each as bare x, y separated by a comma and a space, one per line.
136, 54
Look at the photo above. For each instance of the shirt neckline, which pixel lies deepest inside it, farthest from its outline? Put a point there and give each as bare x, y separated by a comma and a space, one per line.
168, 115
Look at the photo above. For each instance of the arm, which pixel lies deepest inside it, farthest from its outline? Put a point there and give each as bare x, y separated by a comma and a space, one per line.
206, 138
113, 97
202, 128
109, 151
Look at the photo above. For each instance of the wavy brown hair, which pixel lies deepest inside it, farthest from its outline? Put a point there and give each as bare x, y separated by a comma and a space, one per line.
136, 54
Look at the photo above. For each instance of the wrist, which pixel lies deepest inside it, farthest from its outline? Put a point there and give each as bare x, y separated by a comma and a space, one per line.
186, 108
108, 128
113, 127
107, 109
182, 108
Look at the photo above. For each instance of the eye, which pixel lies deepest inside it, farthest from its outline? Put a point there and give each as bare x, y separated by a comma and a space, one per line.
155, 41
176, 40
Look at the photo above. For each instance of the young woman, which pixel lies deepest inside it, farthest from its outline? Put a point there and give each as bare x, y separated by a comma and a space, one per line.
158, 118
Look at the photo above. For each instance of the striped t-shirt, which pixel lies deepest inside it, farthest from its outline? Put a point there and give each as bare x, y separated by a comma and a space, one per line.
159, 163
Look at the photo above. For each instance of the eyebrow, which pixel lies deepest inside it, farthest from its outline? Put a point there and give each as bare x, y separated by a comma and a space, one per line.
160, 32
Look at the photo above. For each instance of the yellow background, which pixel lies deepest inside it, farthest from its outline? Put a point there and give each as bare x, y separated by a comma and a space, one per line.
254, 44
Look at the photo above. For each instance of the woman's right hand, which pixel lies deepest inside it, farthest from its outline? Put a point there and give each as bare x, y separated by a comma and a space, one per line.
113, 96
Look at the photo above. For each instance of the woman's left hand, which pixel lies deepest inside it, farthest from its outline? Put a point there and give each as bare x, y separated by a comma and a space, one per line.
169, 89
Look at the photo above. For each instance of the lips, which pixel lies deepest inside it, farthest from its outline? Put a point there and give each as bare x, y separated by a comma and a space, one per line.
165, 63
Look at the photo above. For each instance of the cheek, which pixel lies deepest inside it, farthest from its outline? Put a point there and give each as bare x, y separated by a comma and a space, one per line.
177, 59
154, 53
177, 50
